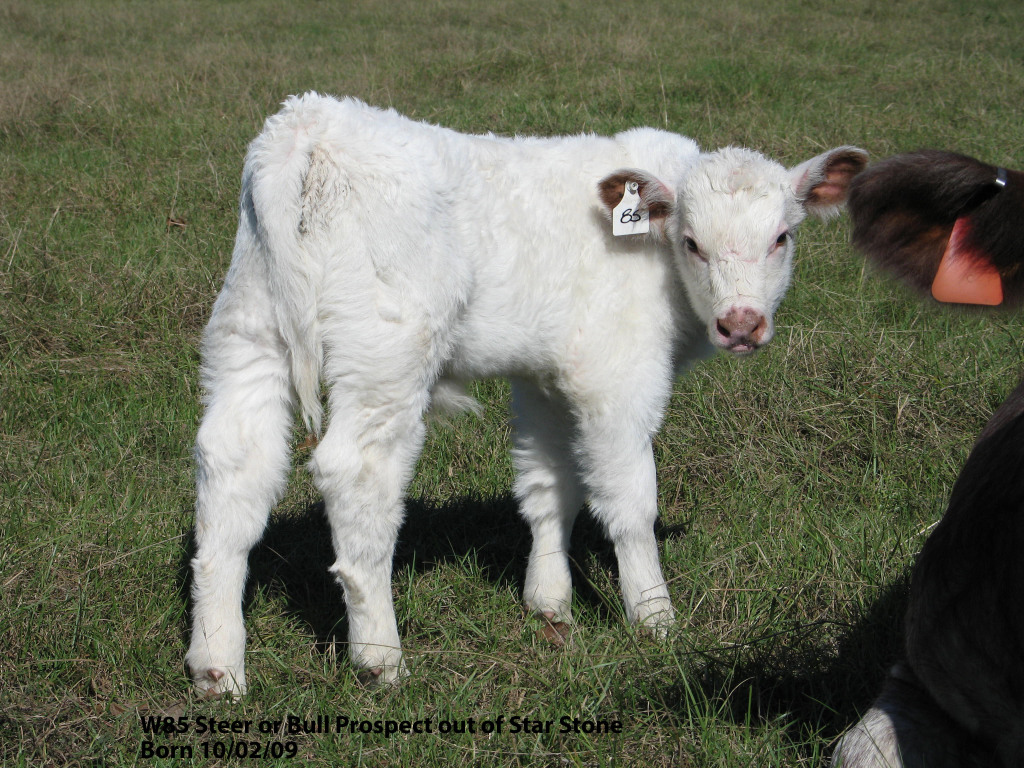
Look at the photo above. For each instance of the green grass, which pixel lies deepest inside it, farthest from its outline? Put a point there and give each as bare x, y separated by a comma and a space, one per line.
796, 487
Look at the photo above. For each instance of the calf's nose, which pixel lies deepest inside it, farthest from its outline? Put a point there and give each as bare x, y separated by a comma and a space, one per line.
742, 328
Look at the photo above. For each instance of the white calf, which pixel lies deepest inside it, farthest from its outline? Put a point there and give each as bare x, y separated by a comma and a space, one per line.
394, 260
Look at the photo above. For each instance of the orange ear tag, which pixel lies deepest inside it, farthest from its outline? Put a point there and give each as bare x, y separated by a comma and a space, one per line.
965, 277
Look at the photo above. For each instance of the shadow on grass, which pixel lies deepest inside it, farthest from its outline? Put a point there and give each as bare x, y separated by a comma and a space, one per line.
811, 681
296, 552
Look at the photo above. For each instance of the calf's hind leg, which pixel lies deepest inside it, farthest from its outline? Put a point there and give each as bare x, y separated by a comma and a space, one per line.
242, 461
362, 467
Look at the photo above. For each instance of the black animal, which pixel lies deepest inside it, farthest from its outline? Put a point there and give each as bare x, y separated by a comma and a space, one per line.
957, 697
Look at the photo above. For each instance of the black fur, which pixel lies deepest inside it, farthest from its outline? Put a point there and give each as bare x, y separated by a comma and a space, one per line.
957, 699
965, 623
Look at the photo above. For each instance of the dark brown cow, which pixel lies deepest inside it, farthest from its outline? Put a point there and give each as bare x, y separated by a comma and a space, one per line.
957, 697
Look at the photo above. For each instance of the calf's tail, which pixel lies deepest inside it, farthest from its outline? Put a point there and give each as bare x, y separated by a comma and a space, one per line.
288, 176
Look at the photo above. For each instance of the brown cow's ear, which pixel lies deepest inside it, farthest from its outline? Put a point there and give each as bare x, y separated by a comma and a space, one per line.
823, 182
655, 196
904, 209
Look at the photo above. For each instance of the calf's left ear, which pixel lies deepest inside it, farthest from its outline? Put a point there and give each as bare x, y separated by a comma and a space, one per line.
655, 196
822, 183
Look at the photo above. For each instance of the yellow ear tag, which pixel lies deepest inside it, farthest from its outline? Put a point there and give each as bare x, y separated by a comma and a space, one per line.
965, 277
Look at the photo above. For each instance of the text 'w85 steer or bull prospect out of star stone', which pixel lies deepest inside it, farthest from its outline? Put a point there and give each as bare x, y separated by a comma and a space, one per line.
392, 261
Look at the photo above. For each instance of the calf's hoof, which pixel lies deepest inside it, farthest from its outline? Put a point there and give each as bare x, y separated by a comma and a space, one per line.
382, 675
214, 681
553, 631
656, 619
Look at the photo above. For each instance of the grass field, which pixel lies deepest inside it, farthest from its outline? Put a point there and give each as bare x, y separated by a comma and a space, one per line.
796, 487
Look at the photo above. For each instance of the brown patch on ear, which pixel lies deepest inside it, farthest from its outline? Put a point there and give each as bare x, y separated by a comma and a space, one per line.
611, 189
658, 209
828, 184
654, 195
839, 171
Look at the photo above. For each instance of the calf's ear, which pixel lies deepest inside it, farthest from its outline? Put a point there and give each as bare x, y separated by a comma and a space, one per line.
822, 183
655, 196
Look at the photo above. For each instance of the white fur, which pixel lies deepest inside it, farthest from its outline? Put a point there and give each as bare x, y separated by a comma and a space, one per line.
392, 261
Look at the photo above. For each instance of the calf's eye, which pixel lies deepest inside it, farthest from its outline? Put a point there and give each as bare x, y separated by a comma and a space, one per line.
781, 241
691, 246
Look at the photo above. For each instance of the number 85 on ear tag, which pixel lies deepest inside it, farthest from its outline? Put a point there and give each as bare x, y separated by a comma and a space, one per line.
626, 218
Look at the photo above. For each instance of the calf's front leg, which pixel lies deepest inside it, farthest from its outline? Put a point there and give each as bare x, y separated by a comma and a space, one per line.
619, 474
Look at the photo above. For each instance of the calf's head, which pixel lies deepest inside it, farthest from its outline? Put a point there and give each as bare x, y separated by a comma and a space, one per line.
730, 221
